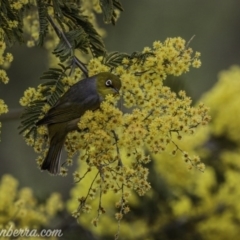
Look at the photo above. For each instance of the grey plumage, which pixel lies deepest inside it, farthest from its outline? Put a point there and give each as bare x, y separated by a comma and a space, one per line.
63, 117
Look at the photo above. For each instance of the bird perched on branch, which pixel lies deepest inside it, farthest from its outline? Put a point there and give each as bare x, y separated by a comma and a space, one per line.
87, 94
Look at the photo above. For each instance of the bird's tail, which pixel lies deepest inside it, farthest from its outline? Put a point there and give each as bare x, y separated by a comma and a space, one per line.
52, 160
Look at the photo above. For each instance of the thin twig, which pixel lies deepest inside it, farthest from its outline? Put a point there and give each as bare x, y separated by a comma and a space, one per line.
149, 114
62, 36
118, 151
187, 158
100, 200
121, 212
85, 199
13, 114
88, 170
190, 41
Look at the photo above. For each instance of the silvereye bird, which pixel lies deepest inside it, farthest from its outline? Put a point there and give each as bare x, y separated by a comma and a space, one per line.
87, 94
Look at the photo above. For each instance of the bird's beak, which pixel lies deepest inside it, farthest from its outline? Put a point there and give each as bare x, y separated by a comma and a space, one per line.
116, 91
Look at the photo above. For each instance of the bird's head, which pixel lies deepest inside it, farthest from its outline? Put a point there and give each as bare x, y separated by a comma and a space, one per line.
108, 83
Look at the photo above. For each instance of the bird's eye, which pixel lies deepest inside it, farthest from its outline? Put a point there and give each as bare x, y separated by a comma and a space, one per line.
108, 83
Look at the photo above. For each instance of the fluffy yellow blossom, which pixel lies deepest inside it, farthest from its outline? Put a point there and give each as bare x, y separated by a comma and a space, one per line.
151, 124
31, 26
9, 57
30, 95
53, 204
115, 144
2, 47
3, 76
226, 95
212, 197
5, 59
196, 63
69, 81
12, 24
17, 5
24, 1
30, 43
95, 66
3, 107
20, 208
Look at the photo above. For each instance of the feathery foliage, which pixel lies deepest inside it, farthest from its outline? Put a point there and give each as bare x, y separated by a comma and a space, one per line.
114, 59
50, 91
75, 32
43, 21
79, 21
11, 22
109, 8
74, 39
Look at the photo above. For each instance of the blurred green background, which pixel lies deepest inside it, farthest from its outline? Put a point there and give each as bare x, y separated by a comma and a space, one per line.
215, 24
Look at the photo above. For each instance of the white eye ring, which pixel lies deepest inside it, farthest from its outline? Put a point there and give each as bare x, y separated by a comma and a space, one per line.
108, 83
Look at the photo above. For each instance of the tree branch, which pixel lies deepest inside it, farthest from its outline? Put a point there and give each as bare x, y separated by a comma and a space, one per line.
13, 114
62, 36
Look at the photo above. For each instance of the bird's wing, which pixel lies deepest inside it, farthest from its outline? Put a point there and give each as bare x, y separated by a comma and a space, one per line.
65, 110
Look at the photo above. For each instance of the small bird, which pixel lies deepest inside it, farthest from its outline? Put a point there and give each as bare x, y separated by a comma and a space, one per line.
63, 117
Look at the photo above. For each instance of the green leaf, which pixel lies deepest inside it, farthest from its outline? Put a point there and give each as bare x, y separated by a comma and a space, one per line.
43, 21
8, 14
57, 8
114, 59
141, 57
91, 39
118, 5
75, 39
34, 111
108, 9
